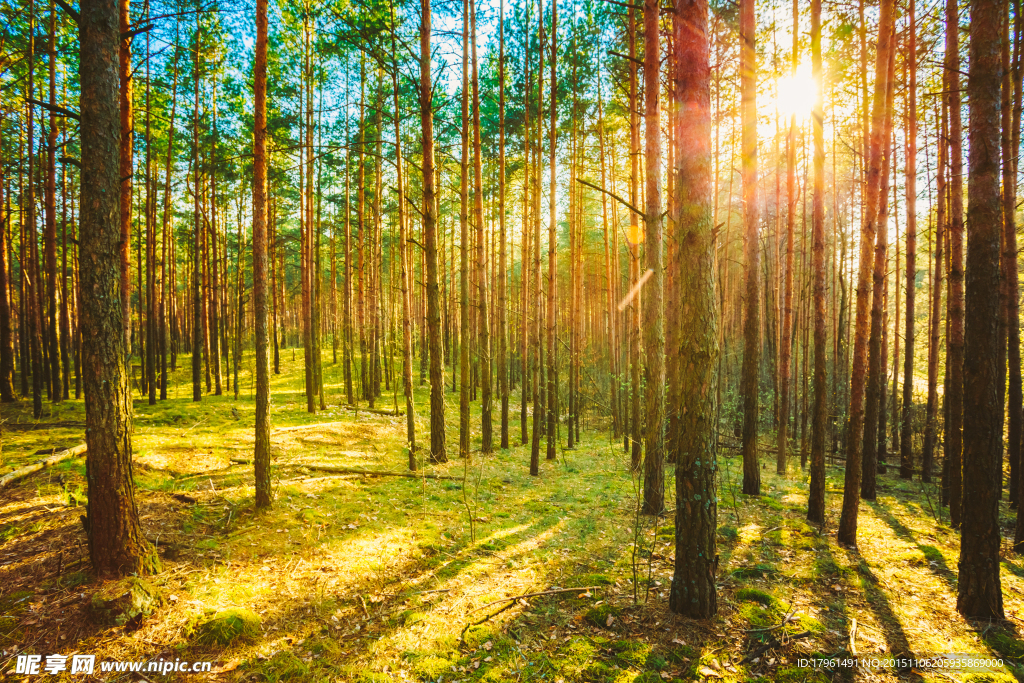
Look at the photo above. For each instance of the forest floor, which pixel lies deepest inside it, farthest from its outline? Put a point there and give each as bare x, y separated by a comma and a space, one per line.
360, 578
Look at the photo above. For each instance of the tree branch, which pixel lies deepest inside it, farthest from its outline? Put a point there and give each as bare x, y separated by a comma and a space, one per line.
622, 201
627, 57
69, 10
55, 109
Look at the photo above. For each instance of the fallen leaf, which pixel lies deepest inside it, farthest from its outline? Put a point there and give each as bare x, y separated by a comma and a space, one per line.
230, 666
610, 620
678, 641
488, 645
710, 673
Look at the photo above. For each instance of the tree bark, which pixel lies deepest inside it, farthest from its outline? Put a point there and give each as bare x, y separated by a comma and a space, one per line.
979, 595
816, 496
261, 459
654, 316
437, 421
906, 425
954, 399
693, 400
752, 303
874, 402
116, 541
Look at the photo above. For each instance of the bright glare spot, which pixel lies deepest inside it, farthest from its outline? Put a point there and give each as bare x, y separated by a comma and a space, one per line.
796, 93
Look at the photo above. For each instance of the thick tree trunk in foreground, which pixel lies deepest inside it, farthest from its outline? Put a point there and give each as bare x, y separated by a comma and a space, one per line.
979, 595
116, 542
693, 400
438, 451
752, 302
261, 459
855, 432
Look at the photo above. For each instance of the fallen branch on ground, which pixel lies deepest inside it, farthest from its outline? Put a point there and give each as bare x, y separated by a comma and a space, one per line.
315, 425
17, 474
534, 595
378, 473
375, 411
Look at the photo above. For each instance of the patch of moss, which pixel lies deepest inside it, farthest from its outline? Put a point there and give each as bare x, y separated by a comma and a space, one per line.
796, 674
630, 653
598, 672
728, 532
756, 595
772, 504
429, 667
284, 666
590, 580
756, 616
1005, 644
598, 616
990, 678
228, 626
126, 601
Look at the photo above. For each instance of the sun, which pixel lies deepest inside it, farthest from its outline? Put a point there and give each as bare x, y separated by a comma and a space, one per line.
796, 93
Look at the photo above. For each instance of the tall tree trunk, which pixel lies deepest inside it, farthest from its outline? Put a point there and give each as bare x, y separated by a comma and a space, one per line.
484, 341
979, 595
816, 495
634, 435
954, 400
752, 302
552, 311
403, 255
855, 432
654, 315
437, 422
116, 541
6, 338
127, 118
874, 404
906, 425
931, 407
538, 296
503, 361
197, 271
261, 459
693, 400
1015, 400
786, 345
31, 271
464, 321
50, 229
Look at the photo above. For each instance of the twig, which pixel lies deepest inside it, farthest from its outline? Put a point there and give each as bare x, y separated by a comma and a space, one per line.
786, 620
534, 595
462, 636
774, 642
